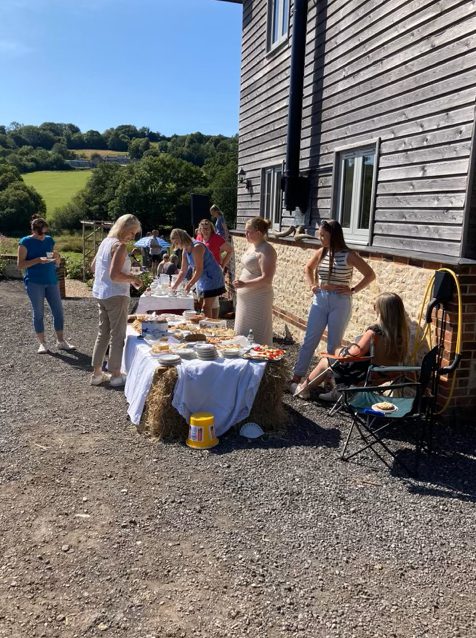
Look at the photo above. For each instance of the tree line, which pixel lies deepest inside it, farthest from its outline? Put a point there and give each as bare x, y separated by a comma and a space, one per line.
156, 186
47, 146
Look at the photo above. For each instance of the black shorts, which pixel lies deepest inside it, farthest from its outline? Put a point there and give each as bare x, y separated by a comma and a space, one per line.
154, 258
213, 293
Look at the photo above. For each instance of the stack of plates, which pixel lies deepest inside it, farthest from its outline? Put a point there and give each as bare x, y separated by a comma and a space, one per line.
232, 353
206, 351
168, 359
186, 353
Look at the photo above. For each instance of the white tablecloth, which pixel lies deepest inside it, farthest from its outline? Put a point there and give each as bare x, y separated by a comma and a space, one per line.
225, 387
164, 304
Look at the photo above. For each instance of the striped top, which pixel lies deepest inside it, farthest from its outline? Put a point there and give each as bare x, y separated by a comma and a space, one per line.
341, 274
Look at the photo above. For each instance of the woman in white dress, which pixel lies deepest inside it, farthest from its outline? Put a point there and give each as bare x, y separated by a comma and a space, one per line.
254, 287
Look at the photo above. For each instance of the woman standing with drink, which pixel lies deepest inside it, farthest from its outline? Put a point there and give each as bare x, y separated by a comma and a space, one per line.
36, 255
112, 281
254, 287
329, 275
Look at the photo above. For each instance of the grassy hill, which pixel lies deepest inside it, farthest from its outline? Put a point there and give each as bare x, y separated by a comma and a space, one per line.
57, 187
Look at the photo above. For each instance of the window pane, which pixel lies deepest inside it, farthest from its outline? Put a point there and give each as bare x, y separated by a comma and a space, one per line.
267, 195
275, 22
277, 197
347, 188
284, 28
366, 192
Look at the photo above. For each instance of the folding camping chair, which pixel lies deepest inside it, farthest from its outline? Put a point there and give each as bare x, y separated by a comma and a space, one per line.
348, 370
373, 424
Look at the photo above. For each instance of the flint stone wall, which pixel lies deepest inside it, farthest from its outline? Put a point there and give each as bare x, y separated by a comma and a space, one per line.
292, 296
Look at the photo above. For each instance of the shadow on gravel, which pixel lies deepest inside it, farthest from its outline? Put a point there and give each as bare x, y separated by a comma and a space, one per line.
74, 358
450, 470
299, 432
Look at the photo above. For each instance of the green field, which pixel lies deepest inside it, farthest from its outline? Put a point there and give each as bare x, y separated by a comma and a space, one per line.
57, 187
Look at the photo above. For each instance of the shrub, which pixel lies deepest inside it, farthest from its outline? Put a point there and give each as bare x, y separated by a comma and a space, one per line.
3, 268
74, 266
8, 245
147, 279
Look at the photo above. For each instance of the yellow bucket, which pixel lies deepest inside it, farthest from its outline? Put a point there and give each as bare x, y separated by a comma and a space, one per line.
201, 433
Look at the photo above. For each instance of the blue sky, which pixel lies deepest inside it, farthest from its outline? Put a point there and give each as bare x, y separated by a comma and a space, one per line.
172, 65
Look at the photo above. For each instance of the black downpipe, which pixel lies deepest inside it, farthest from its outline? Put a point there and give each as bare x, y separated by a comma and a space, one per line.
296, 187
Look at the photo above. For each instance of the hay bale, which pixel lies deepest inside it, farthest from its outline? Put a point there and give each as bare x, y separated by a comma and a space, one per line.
268, 410
160, 419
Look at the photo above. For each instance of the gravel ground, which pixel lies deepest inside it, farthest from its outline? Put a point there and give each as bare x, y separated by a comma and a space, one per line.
105, 532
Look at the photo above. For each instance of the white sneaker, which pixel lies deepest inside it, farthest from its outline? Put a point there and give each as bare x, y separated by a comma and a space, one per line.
302, 391
64, 345
42, 349
118, 382
97, 379
331, 396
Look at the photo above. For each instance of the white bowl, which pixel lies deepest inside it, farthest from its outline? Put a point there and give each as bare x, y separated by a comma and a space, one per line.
251, 430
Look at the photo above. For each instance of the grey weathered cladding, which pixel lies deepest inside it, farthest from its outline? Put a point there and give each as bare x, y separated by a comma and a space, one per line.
415, 229
365, 45
423, 244
425, 169
400, 71
444, 185
441, 216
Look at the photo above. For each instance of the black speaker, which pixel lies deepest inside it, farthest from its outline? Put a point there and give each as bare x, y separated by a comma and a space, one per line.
200, 206
444, 286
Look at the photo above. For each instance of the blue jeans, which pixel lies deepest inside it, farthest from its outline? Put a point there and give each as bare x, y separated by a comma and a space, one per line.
328, 309
38, 293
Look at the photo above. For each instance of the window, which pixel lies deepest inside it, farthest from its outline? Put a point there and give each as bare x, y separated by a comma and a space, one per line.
278, 22
272, 200
355, 178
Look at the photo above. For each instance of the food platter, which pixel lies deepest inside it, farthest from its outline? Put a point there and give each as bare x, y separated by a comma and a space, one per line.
385, 410
264, 353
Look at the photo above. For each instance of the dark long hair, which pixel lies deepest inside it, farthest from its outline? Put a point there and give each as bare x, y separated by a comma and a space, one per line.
337, 241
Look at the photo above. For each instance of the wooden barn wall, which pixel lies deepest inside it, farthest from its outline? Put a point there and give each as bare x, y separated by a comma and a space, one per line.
471, 230
396, 70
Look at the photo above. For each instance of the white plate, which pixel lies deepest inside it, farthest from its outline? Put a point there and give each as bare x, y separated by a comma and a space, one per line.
374, 407
167, 359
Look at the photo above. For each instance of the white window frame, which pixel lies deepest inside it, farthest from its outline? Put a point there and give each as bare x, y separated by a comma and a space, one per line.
352, 232
272, 195
281, 8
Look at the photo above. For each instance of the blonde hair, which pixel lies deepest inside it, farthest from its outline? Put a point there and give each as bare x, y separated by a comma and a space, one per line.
214, 209
122, 225
260, 224
181, 237
393, 322
207, 222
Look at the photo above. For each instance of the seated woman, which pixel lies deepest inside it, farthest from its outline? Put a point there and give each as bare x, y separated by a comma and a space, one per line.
386, 340
170, 267
163, 264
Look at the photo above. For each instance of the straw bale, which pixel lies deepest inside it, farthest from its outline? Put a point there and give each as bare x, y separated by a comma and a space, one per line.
160, 419
268, 409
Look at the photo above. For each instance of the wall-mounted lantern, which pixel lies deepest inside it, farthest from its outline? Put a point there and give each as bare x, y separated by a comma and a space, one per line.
242, 179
